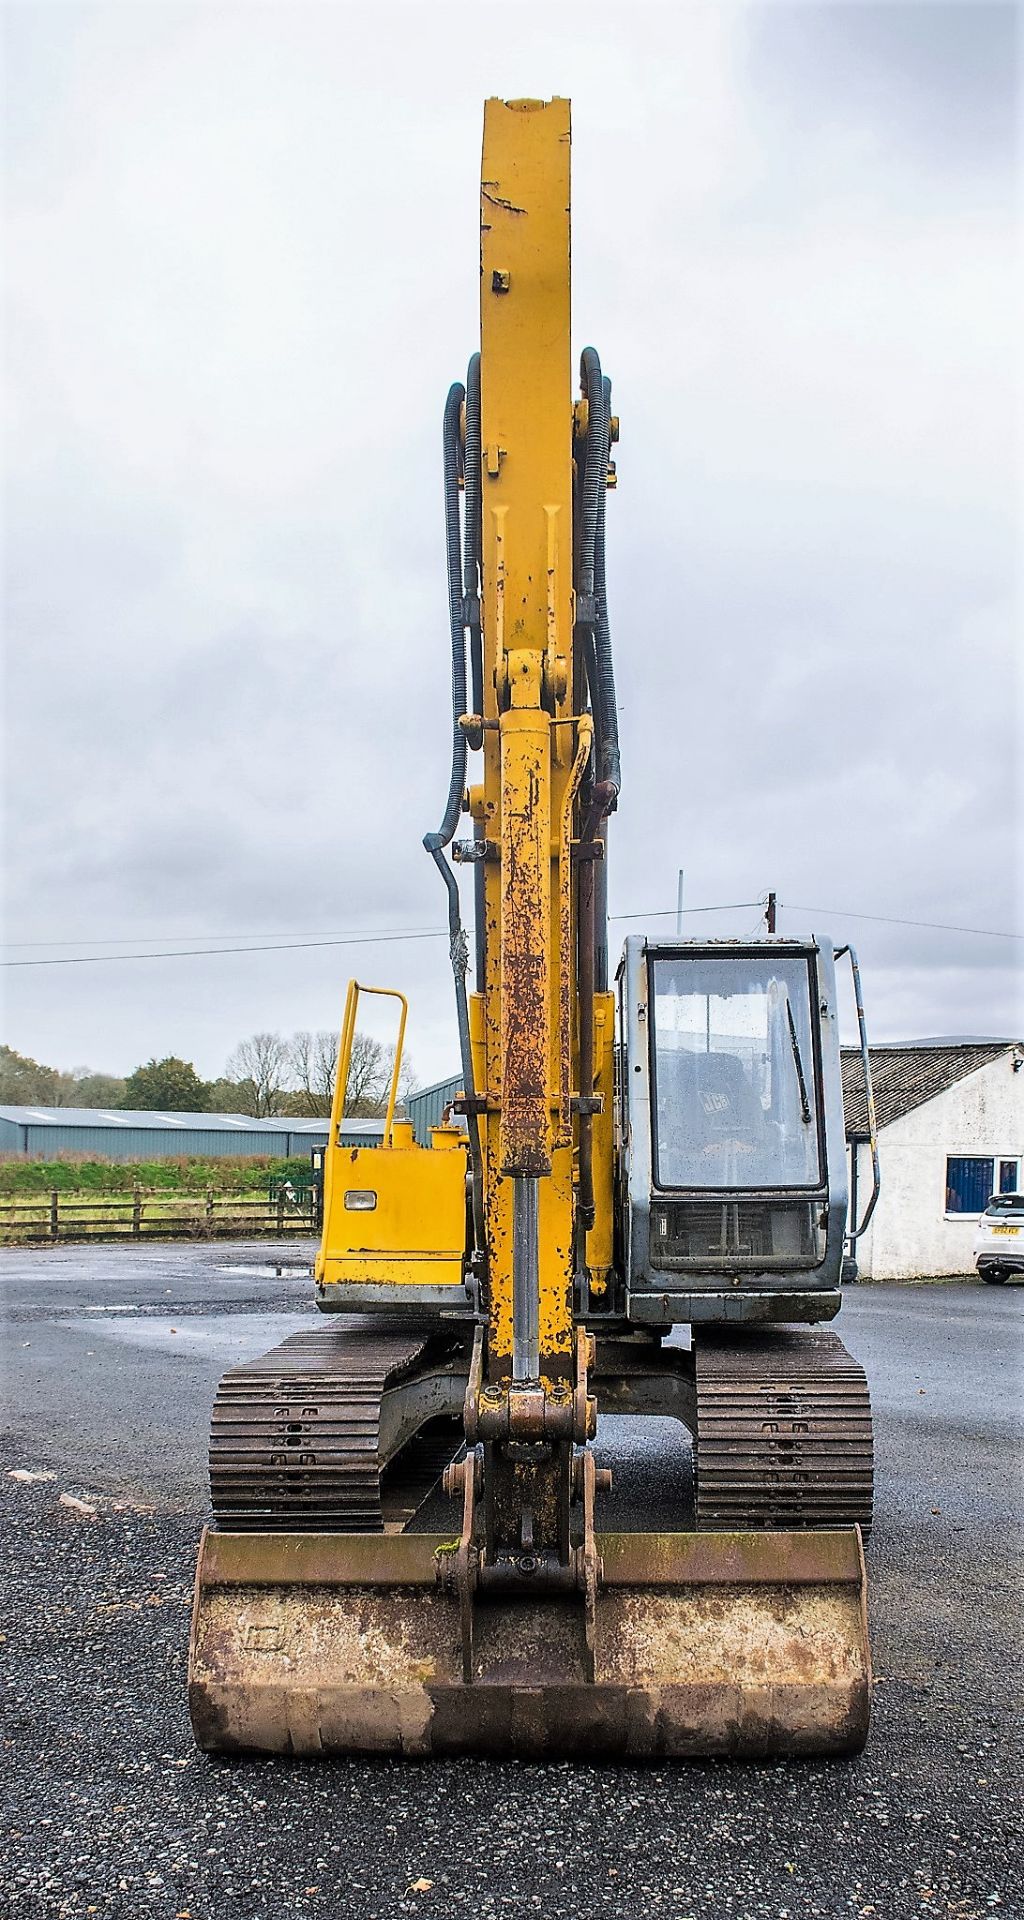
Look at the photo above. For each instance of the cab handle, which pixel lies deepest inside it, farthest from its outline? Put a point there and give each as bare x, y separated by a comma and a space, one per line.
876, 1178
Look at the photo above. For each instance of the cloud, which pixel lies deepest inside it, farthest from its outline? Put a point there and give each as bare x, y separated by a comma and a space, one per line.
242, 270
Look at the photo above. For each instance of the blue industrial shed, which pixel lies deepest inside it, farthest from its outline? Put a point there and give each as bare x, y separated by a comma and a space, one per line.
426, 1106
112, 1133
45, 1133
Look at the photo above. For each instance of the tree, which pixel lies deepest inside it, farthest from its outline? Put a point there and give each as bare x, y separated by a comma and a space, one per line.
231, 1096
263, 1061
170, 1084
369, 1077
24, 1083
268, 1074
313, 1058
89, 1089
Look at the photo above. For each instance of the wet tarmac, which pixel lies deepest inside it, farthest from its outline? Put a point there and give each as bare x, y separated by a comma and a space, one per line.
110, 1360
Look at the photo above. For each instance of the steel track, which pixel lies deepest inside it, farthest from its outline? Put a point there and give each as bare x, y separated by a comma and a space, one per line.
295, 1441
783, 1433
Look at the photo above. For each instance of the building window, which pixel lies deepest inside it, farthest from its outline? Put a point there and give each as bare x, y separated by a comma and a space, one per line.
1009, 1176
968, 1185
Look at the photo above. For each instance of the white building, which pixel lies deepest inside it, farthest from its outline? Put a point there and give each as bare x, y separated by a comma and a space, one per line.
950, 1133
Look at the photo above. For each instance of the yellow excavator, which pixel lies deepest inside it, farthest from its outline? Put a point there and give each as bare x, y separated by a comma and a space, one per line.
622, 1160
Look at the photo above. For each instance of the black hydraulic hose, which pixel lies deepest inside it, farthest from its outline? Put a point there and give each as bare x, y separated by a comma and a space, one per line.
594, 690
601, 914
585, 544
435, 843
609, 765
591, 583
472, 568
585, 985
594, 473
596, 645
453, 545
472, 578
596, 648
460, 961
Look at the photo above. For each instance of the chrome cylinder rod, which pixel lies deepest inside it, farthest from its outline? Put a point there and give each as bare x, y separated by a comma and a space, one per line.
525, 1280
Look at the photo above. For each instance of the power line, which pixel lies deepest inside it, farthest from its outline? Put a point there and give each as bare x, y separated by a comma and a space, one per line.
669, 913
126, 939
398, 935
213, 953
890, 920
393, 936
322, 934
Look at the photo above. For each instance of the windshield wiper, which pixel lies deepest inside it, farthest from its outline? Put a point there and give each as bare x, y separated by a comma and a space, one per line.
805, 1109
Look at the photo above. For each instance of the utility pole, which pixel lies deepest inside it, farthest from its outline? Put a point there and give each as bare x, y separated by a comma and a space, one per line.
769, 914
679, 905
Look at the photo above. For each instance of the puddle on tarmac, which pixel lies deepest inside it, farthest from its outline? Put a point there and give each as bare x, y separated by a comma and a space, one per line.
270, 1272
238, 1335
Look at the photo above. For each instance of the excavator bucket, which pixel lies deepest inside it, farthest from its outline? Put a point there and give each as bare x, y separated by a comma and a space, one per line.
738, 1645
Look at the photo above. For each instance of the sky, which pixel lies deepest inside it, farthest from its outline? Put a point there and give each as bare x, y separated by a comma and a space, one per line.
241, 271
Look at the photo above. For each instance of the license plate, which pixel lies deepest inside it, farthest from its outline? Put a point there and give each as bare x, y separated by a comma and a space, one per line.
1006, 1229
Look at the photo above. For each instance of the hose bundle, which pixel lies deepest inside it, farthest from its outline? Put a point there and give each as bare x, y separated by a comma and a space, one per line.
591, 587
463, 610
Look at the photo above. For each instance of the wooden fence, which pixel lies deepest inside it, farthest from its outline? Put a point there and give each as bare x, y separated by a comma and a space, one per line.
151, 1214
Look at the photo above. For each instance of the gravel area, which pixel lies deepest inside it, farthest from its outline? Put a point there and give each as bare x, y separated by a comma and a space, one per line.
109, 1365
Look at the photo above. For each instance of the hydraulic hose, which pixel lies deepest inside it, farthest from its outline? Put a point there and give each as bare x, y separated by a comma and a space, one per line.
594, 473
609, 766
471, 569
472, 577
591, 584
453, 548
601, 913
586, 986
435, 843
460, 960
594, 632
590, 491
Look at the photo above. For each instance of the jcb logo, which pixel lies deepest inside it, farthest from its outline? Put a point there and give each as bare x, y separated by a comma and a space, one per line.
715, 1102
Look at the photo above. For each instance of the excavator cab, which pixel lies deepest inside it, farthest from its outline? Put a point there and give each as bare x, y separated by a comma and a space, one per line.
730, 1130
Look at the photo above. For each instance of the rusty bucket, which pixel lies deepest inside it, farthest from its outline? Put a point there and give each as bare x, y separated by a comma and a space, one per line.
718, 1644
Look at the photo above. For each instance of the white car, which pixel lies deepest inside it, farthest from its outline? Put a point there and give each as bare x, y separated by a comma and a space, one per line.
999, 1241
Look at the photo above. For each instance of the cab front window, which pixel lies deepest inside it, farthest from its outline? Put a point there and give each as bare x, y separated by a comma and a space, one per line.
734, 1095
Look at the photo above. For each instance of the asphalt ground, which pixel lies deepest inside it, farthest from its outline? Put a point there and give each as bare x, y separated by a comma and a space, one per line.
110, 1361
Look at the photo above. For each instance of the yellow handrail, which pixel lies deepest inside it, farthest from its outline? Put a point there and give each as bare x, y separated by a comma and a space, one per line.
348, 1032
346, 1038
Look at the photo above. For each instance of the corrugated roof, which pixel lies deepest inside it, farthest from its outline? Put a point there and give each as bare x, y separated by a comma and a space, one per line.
905, 1077
192, 1122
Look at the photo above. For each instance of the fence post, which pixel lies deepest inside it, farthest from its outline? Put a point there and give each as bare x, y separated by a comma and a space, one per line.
280, 1209
54, 1215
136, 1210
209, 1212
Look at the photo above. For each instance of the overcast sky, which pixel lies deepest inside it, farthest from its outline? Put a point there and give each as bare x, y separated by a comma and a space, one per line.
242, 270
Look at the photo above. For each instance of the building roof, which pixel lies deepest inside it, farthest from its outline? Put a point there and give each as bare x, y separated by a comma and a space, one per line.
905, 1076
191, 1122
436, 1086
